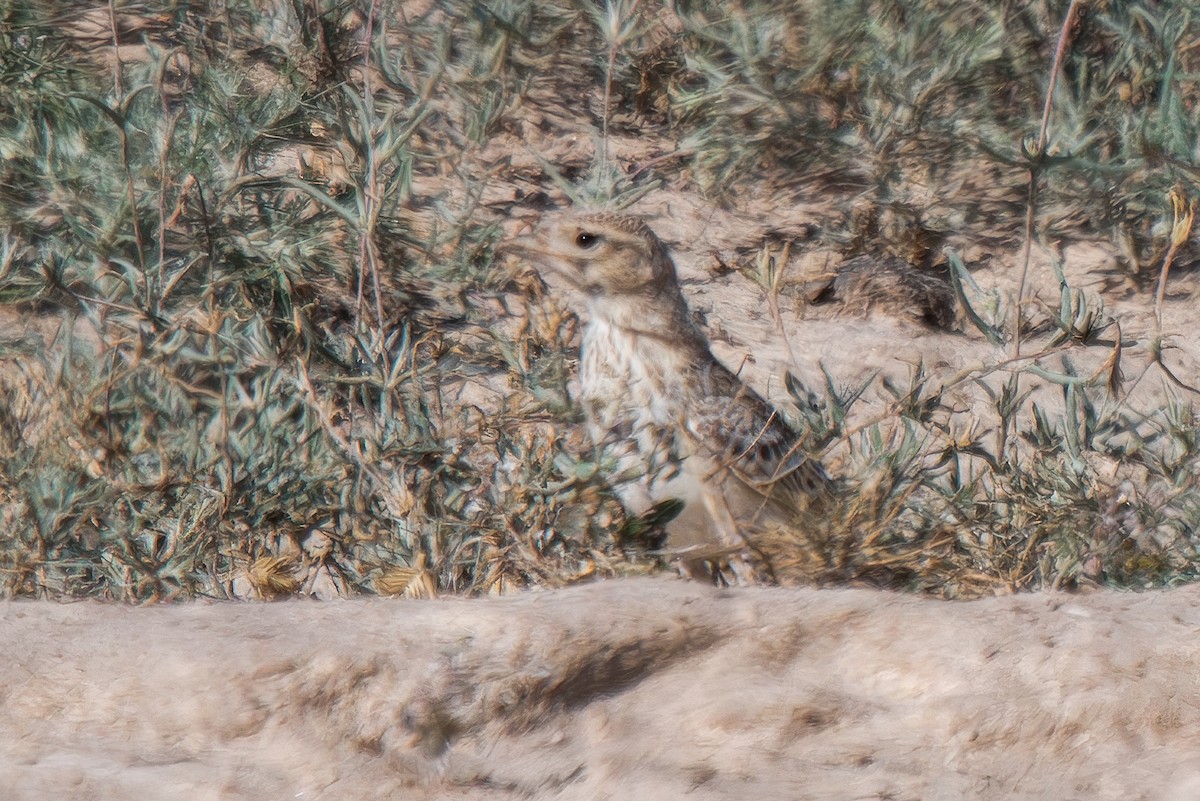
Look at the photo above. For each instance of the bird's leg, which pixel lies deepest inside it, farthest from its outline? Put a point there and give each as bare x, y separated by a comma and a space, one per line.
730, 533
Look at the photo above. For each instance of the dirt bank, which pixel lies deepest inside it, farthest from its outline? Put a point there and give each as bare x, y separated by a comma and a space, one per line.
651, 688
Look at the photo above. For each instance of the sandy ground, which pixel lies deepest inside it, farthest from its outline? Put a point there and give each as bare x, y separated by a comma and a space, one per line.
646, 688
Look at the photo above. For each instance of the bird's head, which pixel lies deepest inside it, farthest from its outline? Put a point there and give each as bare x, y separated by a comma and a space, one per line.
601, 254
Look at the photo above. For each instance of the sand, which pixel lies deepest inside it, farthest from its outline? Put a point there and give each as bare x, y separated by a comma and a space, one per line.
638, 688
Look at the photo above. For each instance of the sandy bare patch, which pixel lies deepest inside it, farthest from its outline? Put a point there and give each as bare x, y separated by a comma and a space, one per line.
650, 688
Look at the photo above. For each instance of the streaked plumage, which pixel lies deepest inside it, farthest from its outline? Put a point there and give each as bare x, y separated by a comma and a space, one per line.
653, 390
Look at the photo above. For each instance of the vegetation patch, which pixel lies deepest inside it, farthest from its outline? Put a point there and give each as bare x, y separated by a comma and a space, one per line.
254, 340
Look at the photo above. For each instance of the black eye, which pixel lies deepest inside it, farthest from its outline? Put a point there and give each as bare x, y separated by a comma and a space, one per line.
586, 241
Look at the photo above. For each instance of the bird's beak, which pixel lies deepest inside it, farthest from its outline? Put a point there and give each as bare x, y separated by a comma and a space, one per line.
528, 246
523, 254
534, 248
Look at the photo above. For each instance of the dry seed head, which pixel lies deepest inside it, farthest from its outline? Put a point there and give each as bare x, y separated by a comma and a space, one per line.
409, 581
271, 577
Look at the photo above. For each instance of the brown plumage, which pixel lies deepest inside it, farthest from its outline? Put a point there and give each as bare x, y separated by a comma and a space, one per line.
653, 390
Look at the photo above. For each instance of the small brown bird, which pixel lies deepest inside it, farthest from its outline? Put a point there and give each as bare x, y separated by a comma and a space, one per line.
652, 389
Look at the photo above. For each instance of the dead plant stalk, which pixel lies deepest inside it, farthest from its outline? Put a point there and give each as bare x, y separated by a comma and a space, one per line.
1038, 156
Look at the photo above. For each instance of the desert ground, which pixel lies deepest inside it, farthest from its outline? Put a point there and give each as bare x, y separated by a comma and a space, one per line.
640, 688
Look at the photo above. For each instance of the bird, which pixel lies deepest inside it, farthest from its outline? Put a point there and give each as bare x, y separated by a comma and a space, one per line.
652, 391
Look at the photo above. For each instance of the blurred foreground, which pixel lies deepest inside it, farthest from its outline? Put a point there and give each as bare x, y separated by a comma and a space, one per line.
643, 688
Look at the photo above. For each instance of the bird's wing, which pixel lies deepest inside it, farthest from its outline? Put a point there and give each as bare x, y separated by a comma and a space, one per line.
746, 434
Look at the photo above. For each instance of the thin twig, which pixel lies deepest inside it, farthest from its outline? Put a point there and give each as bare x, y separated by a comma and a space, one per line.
368, 253
616, 21
121, 119
1181, 229
1064, 39
119, 66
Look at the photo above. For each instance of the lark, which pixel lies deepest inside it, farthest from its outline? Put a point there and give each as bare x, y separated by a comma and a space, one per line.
654, 393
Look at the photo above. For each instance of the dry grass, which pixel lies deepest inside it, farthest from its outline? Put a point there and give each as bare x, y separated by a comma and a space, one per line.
275, 355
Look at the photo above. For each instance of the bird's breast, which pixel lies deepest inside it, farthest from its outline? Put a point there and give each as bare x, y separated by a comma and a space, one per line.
628, 374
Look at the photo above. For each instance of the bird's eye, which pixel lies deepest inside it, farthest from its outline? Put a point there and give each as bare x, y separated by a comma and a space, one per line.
586, 241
